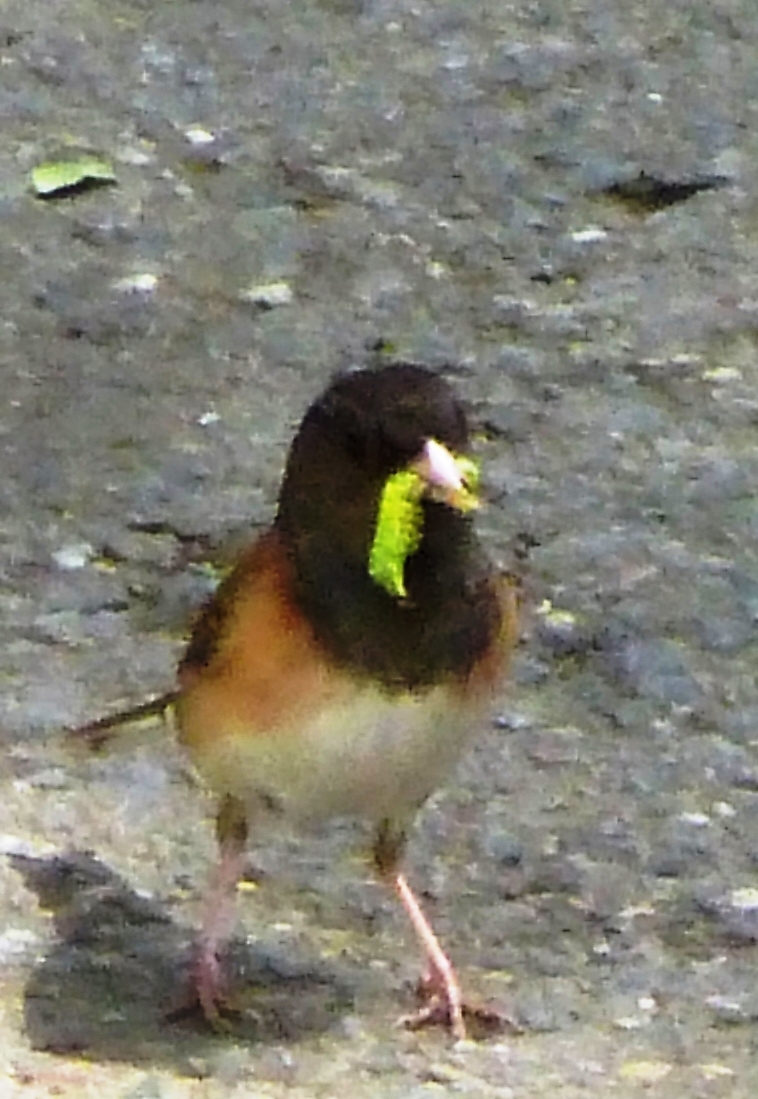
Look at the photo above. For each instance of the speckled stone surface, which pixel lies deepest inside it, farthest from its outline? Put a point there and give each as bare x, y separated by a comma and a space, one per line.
556, 201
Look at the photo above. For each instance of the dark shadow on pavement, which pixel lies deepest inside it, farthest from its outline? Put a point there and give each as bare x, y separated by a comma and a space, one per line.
106, 987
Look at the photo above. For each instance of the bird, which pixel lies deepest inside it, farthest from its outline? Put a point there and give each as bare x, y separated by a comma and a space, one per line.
347, 661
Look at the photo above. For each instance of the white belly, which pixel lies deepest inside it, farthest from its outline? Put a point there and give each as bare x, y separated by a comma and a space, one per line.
374, 756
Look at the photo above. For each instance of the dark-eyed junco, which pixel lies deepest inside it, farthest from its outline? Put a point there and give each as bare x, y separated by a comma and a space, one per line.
344, 665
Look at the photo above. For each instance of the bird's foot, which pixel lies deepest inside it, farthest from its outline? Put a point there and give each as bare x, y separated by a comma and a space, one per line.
441, 1004
439, 995
207, 992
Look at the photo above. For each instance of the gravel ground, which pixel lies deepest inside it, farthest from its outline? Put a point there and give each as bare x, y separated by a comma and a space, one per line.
555, 200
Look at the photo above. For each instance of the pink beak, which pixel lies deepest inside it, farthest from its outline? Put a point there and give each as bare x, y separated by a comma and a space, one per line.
438, 467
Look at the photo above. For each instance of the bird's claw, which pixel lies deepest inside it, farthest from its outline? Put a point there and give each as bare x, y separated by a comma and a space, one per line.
206, 994
475, 1020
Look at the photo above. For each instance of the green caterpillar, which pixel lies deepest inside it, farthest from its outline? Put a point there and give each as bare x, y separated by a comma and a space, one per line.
400, 520
398, 532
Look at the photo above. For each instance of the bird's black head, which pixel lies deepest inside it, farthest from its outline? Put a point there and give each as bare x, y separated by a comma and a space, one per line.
382, 418
375, 422
367, 427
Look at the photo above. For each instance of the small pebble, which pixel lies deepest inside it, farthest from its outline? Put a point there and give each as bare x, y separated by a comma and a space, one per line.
75, 556
197, 136
591, 235
268, 295
144, 282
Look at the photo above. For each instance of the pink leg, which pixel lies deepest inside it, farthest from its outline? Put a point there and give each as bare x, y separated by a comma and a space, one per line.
207, 987
218, 917
440, 983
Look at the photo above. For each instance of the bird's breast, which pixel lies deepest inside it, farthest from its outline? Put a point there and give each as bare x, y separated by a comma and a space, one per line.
365, 753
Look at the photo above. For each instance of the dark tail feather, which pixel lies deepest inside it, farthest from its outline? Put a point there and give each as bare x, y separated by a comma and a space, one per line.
97, 733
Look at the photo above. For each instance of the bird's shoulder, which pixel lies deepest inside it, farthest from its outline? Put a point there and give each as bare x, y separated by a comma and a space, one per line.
252, 659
